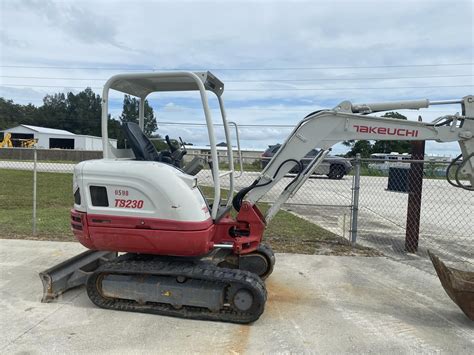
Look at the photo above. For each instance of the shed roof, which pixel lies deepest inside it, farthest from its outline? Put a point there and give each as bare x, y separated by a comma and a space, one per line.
47, 130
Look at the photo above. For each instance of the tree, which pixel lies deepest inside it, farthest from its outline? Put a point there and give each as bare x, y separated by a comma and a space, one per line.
365, 148
392, 146
11, 114
130, 114
84, 112
53, 113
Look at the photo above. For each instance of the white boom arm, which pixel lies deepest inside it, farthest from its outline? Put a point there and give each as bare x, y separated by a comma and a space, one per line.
325, 128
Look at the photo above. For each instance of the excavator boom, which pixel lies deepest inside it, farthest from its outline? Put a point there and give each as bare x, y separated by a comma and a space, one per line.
324, 128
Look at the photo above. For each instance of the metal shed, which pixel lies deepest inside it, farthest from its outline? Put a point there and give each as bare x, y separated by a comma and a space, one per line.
51, 138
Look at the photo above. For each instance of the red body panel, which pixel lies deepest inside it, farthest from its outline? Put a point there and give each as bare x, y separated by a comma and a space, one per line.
165, 237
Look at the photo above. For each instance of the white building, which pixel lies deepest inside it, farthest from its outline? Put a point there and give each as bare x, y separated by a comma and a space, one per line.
50, 138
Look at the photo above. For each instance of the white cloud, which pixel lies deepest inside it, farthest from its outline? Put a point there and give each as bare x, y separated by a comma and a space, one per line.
243, 34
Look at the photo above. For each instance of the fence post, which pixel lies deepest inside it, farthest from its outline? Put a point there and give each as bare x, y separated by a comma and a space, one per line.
35, 159
355, 200
415, 189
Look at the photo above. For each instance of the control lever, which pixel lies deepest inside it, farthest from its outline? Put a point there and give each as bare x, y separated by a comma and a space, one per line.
182, 145
171, 146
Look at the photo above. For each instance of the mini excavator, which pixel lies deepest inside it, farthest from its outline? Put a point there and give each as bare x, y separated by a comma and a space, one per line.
181, 254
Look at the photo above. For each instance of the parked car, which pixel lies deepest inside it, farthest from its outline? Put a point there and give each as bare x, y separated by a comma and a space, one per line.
333, 167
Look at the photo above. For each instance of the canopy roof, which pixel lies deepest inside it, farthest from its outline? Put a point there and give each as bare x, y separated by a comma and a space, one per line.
142, 84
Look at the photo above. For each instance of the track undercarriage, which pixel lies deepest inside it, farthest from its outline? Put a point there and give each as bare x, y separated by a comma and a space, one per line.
220, 286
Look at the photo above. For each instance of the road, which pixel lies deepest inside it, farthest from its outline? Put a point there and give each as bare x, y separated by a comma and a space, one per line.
323, 304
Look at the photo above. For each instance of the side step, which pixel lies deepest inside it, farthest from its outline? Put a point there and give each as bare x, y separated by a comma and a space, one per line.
458, 284
72, 272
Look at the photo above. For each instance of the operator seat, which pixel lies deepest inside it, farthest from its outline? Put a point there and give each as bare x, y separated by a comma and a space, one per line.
141, 146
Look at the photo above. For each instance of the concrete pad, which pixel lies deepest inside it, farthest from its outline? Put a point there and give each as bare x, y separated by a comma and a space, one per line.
324, 304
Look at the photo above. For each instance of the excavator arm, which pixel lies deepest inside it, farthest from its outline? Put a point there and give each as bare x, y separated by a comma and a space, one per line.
323, 129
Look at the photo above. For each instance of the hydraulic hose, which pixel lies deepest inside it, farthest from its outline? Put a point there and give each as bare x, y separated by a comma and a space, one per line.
239, 196
457, 182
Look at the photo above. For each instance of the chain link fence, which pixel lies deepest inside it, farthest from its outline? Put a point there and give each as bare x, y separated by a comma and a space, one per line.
407, 207
35, 195
368, 206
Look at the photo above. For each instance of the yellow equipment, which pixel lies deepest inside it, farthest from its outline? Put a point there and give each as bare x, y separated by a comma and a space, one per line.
6, 142
28, 143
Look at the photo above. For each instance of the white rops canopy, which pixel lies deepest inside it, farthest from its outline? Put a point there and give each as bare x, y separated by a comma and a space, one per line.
143, 84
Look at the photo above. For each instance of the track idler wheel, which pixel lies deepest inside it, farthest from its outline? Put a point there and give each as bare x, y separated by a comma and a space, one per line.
242, 299
260, 262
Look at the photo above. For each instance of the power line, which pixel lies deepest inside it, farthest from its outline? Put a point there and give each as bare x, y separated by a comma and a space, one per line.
357, 88
52, 86
271, 89
344, 79
240, 69
220, 124
260, 80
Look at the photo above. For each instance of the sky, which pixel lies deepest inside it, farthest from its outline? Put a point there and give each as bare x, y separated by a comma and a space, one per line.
279, 60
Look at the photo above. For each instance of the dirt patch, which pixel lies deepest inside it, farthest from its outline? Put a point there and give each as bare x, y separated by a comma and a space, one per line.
283, 299
282, 293
240, 340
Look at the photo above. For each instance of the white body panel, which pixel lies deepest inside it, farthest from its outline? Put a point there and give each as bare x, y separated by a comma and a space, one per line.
156, 190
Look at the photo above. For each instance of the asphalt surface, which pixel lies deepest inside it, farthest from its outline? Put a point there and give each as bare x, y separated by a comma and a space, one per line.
324, 304
446, 223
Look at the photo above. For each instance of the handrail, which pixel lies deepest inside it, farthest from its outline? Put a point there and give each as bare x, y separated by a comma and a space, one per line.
230, 156
238, 148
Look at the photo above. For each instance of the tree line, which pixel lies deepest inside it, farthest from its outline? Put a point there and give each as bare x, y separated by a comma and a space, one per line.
78, 113
81, 114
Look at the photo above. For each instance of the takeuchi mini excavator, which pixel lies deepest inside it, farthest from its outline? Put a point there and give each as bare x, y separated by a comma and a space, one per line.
187, 256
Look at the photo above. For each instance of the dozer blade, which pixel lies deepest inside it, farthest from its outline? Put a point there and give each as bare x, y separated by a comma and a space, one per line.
72, 272
458, 284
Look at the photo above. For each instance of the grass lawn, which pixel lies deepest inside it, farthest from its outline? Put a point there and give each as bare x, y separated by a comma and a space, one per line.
54, 201
286, 232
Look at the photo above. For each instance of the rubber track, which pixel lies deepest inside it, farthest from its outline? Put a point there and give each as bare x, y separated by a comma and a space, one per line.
197, 270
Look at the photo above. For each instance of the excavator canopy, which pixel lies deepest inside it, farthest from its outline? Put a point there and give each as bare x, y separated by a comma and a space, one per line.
143, 84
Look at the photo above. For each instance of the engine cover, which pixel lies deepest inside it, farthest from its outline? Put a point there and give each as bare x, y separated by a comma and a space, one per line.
141, 207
